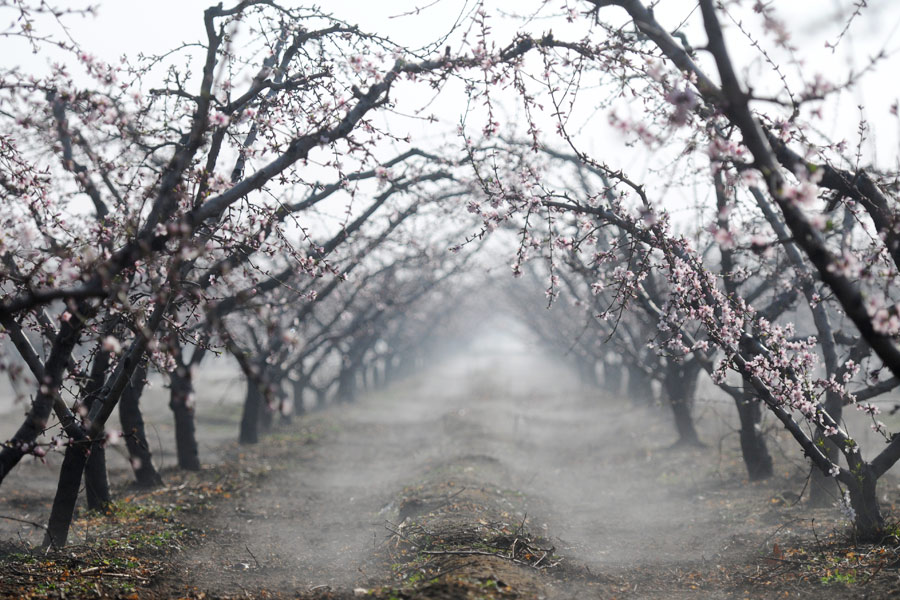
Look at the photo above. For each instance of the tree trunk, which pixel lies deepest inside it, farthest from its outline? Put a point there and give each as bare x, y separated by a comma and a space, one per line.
96, 481
639, 389
250, 418
284, 408
42, 405
321, 397
378, 374
135, 434
63, 510
612, 377
823, 490
868, 520
266, 410
366, 377
181, 401
684, 422
297, 387
753, 444
346, 391
587, 372
681, 384
404, 366
390, 370
79, 448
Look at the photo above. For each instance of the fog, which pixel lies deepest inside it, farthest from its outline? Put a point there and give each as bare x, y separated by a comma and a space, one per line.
494, 415
430, 348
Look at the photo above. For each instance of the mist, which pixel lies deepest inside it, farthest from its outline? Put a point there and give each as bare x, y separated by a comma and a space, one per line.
491, 424
449, 299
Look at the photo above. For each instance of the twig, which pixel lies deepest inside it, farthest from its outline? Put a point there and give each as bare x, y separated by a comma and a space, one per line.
464, 552
121, 575
484, 553
521, 525
785, 561
449, 498
170, 489
32, 523
399, 534
258, 566
780, 527
874, 573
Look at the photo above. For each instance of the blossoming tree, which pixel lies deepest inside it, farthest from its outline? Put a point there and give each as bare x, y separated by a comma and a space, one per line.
151, 202
769, 166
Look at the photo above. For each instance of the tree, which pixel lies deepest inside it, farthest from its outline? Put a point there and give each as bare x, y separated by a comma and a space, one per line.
698, 313
180, 179
153, 206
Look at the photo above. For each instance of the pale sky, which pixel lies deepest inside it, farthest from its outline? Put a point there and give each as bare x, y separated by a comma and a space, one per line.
130, 27
123, 26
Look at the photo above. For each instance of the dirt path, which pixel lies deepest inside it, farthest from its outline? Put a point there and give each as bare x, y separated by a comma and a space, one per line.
637, 519
495, 449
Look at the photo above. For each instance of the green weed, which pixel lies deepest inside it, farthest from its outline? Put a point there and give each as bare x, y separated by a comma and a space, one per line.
838, 577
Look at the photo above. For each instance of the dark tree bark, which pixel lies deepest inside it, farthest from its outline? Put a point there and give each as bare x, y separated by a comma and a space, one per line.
250, 419
181, 402
284, 401
266, 409
823, 490
753, 444
64, 501
680, 383
346, 391
868, 521
181, 393
96, 481
347, 384
80, 447
54, 369
249, 431
132, 421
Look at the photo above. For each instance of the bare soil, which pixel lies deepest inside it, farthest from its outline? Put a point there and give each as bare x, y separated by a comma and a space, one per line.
497, 476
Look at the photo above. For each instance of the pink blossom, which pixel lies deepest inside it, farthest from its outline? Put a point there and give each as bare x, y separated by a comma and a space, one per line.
219, 119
